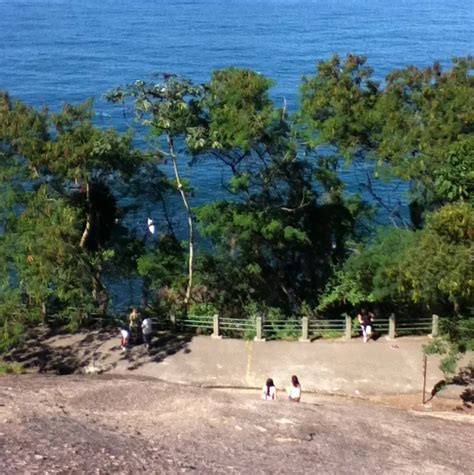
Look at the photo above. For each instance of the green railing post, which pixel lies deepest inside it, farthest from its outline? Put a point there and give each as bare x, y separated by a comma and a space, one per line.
435, 326
258, 329
304, 330
215, 327
348, 334
391, 327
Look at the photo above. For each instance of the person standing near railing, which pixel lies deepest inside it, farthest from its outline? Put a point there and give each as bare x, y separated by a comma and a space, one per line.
366, 321
133, 324
147, 331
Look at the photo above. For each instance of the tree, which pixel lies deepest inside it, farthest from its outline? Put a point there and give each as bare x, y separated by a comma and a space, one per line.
430, 268
438, 271
84, 158
424, 114
416, 128
172, 111
338, 105
272, 240
48, 263
54, 173
148, 188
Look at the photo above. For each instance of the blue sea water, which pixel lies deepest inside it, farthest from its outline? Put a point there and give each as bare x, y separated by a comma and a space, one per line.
65, 50
58, 51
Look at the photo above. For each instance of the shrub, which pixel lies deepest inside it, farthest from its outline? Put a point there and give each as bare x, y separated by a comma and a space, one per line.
249, 334
288, 332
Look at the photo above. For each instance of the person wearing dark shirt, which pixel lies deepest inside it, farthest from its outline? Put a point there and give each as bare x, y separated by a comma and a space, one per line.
365, 319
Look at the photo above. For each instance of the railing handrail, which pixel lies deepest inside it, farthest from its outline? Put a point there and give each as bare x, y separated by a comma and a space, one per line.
306, 326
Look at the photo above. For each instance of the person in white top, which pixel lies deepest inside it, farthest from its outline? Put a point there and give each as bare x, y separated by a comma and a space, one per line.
269, 390
147, 331
294, 390
124, 338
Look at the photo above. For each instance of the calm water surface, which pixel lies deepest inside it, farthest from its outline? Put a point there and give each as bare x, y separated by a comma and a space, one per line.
59, 51
65, 50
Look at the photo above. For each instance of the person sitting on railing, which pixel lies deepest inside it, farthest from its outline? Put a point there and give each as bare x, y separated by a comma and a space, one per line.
366, 320
294, 391
269, 390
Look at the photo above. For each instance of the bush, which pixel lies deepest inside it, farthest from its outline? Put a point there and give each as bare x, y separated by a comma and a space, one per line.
249, 334
457, 338
459, 330
289, 332
356, 329
203, 309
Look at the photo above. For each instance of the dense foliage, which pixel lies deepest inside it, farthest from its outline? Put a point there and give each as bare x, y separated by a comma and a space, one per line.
288, 238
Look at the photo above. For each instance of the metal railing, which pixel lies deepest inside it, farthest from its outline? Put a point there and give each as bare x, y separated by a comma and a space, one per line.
282, 329
237, 325
304, 329
204, 322
418, 326
327, 327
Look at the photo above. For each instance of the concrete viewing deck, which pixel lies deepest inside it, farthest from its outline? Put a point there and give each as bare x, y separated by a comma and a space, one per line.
340, 367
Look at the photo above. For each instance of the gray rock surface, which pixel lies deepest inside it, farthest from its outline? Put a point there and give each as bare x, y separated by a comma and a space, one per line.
106, 424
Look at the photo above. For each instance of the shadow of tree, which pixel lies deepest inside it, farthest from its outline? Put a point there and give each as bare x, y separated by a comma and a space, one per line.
40, 353
468, 396
465, 377
37, 353
163, 345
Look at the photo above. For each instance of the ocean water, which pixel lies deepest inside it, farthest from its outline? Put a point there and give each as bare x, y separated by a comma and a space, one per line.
58, 51
65, 50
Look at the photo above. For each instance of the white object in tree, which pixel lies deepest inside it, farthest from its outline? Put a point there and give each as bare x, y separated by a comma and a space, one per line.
151, 226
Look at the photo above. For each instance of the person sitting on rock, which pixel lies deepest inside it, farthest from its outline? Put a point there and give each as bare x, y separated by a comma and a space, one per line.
294, 390
269, 390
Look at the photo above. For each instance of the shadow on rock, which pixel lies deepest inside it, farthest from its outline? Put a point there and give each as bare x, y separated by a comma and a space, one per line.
38, 354
465, 376
162, 346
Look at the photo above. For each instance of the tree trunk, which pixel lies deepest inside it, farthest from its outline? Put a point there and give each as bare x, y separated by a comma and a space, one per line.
99, 293
145, 292
187, 297
87, 228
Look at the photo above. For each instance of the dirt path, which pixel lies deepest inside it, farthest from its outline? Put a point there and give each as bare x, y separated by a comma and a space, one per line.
79, 424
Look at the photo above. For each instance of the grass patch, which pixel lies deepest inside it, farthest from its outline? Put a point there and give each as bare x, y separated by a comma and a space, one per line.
329, 335
10, 368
